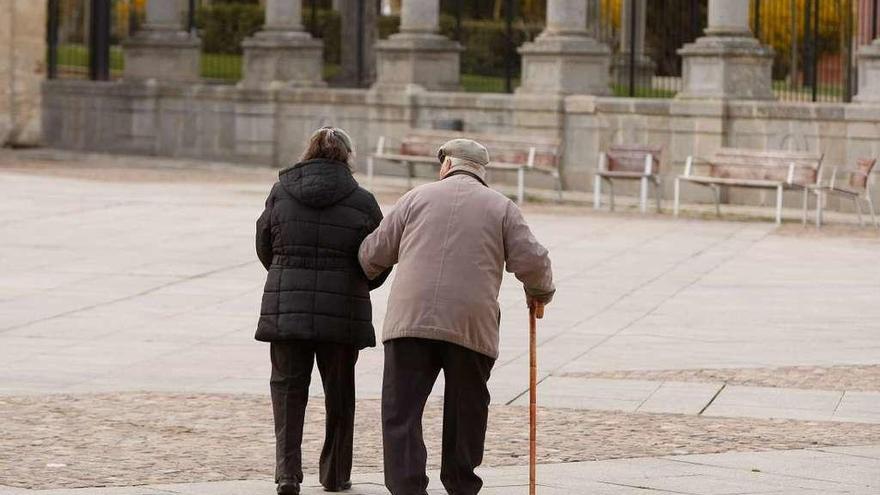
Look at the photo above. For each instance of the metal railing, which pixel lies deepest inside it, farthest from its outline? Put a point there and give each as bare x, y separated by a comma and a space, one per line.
815, 41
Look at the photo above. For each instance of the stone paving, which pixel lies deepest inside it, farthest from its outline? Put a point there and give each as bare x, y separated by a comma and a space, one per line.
862, 378
124, 275
820, 471
149, 438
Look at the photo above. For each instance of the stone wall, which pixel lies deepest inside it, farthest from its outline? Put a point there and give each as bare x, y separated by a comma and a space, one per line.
22, 69
270, 126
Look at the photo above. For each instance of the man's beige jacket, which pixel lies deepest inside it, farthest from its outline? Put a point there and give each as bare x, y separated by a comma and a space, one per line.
452, 239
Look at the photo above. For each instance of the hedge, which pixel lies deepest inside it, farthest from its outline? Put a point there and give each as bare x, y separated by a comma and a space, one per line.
485, 41
224, 26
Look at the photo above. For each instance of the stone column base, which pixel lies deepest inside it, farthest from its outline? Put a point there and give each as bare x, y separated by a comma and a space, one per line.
727, 67
869, 73
166, 55
429, 61
565, 65
291, 58
645, 69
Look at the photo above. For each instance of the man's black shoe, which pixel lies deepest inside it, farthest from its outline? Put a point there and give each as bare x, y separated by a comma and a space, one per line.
340, 488
288, 487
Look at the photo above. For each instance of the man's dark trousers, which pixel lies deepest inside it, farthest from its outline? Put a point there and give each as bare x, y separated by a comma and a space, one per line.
411, 368
291, 373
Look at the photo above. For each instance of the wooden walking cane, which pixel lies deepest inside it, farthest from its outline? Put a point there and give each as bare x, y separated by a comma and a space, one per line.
536, 312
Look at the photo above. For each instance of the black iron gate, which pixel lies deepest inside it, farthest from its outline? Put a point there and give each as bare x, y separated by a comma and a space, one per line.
83, 37
815, 43
644, 38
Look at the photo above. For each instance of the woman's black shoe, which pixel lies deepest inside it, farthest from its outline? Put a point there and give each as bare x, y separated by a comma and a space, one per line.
288, 487
340, 488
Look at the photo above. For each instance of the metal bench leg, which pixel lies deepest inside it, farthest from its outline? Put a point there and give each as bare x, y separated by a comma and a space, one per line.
611, 193
658, 192
859, 210
597, 192
716, 195
558, 187
871, 207
370, 172
520, 185
779, 205
643, 195
806, 205
819, 197
676, 197
410, 172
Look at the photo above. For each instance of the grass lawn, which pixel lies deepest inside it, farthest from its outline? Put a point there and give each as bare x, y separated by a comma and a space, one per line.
485, 84
642, 92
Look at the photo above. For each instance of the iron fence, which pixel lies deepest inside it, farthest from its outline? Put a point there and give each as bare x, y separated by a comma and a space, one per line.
644, 38
490, 38
815, 43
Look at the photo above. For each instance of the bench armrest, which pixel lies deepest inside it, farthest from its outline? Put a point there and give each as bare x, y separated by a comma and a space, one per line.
789, 179
689, 166
649, 164
837, 171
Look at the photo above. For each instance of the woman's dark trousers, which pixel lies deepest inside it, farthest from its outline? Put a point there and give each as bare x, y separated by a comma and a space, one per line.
291, 372
411, 368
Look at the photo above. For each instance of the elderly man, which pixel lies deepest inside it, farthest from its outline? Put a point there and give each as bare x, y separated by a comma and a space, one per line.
452, 239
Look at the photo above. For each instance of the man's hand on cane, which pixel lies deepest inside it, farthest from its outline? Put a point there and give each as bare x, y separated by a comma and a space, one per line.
536, 305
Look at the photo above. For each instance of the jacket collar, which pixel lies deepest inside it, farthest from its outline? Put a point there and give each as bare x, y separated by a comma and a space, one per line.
465, 172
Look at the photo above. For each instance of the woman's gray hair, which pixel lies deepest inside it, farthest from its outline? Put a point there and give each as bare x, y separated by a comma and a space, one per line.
330, 143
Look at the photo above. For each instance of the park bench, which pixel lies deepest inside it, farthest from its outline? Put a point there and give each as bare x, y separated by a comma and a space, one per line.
857, 188
507, 152
629, 162
757, 169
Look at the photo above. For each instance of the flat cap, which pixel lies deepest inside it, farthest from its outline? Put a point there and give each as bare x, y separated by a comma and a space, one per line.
466, 149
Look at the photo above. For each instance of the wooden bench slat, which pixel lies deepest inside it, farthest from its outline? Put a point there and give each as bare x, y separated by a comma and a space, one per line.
631, 157
734, 182
507, 152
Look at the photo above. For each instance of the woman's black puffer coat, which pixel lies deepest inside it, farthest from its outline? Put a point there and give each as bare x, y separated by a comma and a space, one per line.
308, 238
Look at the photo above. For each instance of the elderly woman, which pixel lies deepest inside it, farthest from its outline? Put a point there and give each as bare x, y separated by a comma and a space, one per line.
316, 302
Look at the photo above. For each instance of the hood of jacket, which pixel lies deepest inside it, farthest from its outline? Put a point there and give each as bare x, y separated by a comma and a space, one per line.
318, 183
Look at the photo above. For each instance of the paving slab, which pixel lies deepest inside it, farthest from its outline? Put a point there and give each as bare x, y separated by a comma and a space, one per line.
140, 285
768, 402
777, 472
863, 407
680, 398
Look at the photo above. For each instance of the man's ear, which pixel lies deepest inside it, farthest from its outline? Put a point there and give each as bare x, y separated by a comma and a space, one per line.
444, 169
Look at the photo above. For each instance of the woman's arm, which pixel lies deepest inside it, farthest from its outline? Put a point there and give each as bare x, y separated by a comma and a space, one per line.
375, 220
264, 232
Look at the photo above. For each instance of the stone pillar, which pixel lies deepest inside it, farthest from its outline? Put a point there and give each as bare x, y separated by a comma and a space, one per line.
728, 62
283, 52
22, 71
869, 73
563, 59
162, 49
645, 67
418, 55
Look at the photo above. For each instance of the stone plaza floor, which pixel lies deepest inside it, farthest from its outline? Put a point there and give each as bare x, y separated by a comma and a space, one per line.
691, 356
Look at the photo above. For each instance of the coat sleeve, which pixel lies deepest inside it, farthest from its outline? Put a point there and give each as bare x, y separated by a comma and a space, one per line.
374, 222
264, 232
380, 249
526, 257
